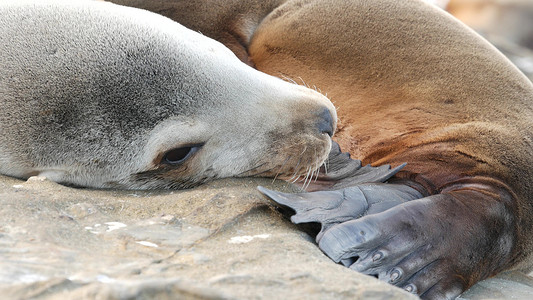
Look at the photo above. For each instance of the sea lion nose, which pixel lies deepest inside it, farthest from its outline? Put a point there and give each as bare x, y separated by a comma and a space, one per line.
326, 124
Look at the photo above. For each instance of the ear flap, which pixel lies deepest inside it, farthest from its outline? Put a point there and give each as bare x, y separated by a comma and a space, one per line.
340, 171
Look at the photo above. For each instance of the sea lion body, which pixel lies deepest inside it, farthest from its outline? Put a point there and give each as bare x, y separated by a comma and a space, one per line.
100, 95
411, 84
414, 86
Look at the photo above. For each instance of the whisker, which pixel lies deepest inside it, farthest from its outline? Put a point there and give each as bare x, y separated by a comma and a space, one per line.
310, 177
317, 173
307, 181
304, 180
281, 168
296, 169
293, 176
305, 149
303, 82
296, 179
326, 166
285, 77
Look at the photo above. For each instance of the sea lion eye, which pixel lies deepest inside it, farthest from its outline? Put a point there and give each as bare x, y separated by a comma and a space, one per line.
179, 155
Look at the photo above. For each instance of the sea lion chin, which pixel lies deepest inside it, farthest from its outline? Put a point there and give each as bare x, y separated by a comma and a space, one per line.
99, 95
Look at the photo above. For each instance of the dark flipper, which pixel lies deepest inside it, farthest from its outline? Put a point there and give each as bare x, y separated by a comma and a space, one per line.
341, 171
436, 246
348, 191
333, 207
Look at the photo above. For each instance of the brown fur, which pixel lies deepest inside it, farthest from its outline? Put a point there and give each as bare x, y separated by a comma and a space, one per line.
411, 84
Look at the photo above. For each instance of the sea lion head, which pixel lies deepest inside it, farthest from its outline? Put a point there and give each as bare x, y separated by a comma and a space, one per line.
116, 97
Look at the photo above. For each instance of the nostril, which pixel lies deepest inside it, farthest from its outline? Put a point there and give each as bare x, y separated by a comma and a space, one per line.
325, 122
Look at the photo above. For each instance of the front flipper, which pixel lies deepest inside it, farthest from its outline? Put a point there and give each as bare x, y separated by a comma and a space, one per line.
333, 207
436, 246
340, 171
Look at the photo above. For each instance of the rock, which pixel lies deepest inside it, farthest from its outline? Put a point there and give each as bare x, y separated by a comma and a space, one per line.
219, 241
509, 285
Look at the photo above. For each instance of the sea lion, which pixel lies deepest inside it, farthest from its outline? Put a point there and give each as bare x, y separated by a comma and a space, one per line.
99, 95
411, 84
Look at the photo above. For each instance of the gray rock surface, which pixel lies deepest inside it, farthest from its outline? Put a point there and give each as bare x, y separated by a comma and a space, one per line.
219, 241
511, 285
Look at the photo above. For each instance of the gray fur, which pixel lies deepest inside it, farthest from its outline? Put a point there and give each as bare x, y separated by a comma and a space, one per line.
92, 93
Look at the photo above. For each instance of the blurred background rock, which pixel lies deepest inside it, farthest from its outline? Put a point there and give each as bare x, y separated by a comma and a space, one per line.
507, 24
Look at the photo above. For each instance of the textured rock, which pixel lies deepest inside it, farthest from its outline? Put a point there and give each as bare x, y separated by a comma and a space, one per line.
219, 241
511, 285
